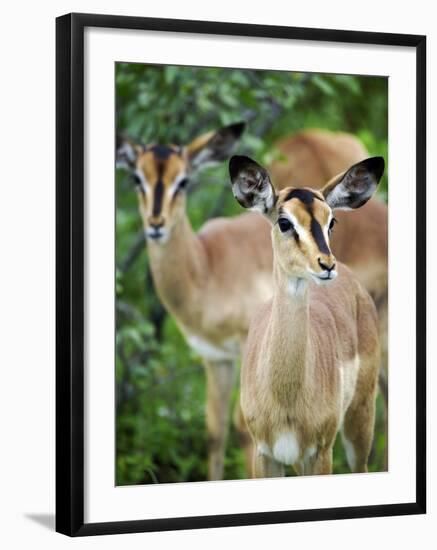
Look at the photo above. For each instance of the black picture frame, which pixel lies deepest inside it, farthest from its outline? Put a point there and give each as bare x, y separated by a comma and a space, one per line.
70, 273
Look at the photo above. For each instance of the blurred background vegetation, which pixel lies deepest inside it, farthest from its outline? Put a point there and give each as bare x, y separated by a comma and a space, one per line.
160, 383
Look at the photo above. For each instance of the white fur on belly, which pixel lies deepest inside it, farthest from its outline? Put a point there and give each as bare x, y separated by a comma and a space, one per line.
286, 448
228, 350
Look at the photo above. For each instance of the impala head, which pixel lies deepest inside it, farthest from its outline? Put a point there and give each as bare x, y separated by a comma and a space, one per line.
161, 174
303, 218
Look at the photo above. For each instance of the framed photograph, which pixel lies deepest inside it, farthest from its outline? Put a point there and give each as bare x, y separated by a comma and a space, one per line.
240, 274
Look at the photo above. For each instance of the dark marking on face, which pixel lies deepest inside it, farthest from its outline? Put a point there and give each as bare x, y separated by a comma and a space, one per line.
162, 152
304, 195
157, 199
319, 237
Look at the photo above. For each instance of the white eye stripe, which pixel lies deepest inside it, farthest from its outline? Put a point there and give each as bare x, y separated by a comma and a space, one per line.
174, 186
172, 189
302, 233
141, 177
329, 228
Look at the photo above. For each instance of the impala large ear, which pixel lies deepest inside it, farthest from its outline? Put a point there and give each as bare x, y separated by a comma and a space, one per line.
127, 152
214, 146
354, 187
251, 185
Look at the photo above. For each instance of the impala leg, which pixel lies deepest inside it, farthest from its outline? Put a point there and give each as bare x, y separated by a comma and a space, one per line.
244, 438
265, 466
220, 377
322, 462
358, 424
357, 434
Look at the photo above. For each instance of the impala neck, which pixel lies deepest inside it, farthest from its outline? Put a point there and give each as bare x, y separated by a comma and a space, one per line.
179, 269
288, 337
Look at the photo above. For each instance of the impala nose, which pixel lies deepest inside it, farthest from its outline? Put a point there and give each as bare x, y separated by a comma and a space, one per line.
155, 230
325, 266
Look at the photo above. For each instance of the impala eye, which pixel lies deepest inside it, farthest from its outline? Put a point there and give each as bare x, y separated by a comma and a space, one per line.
136, 179
332, 223
285, 225
181, 186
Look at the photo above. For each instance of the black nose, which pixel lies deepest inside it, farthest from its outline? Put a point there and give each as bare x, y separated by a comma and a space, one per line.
326, 267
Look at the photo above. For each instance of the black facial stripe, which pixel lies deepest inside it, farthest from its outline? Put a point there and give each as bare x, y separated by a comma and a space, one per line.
304, 195
318, 235
162, 152
157, 198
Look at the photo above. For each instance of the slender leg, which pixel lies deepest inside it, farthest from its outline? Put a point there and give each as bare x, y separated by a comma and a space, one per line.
265, 466
359, 420
357, 433
299, 469
220, 377
322, 463
244, 438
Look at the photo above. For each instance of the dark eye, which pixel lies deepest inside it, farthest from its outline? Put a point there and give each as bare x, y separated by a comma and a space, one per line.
136, 179
284, 225
332, 223
181, 186
183, 183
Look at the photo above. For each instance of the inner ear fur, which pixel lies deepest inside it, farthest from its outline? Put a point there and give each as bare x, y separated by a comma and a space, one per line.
127, 152
353, 188
251, 185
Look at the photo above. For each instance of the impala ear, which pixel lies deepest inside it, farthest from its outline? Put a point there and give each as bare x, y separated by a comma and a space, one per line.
251, 185
354, 187
127, 152
214, 147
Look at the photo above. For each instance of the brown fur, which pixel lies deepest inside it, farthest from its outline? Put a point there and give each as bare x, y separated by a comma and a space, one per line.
211, 282
360, 239
208, 297
290, 380
312, 357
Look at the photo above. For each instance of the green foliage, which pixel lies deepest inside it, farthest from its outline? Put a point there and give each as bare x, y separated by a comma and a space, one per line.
160, 385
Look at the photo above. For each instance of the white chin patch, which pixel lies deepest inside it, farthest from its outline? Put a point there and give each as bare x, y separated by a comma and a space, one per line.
323, 280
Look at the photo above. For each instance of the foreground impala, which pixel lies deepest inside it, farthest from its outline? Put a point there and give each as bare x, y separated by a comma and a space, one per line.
312, 355
309, 159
